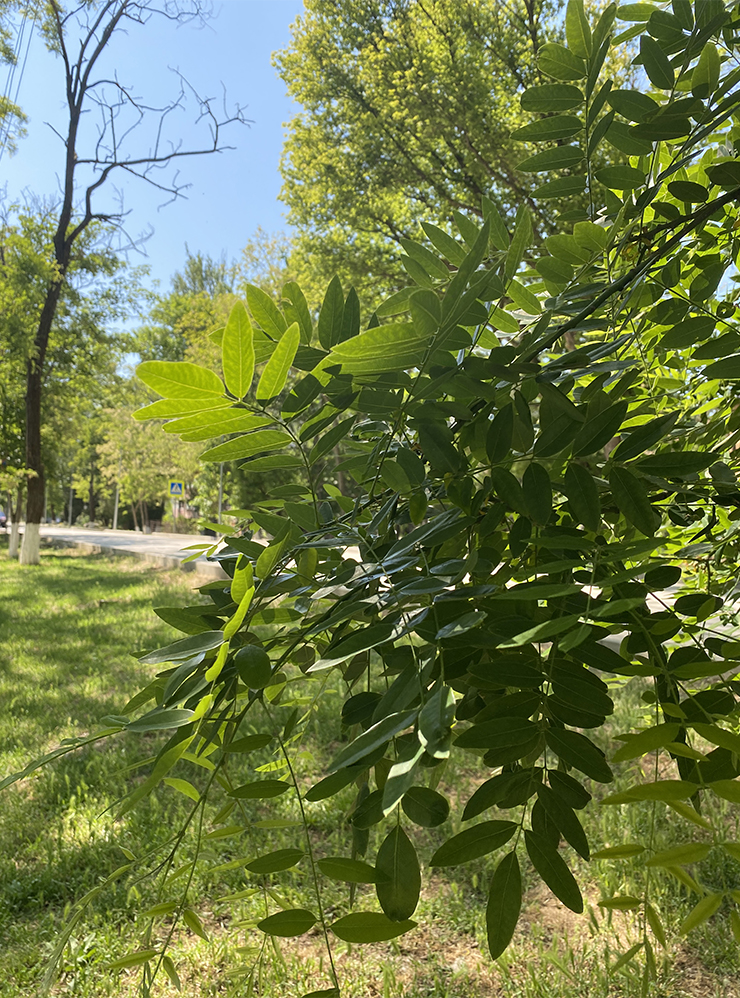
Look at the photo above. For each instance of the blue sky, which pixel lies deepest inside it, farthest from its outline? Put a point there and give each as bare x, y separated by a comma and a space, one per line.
231, 194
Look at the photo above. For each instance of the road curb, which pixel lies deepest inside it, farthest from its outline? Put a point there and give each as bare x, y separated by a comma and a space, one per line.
205, 569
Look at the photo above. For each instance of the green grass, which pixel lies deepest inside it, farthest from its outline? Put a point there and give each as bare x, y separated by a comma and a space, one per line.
67, 631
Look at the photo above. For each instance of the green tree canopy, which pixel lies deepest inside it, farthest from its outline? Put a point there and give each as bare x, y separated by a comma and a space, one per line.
406, 114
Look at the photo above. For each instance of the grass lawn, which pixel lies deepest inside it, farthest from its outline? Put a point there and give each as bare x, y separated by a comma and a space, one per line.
67, 630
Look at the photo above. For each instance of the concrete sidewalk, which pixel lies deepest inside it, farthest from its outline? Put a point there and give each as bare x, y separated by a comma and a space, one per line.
164, 550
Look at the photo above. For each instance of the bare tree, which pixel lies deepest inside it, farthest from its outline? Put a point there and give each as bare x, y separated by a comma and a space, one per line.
80, 36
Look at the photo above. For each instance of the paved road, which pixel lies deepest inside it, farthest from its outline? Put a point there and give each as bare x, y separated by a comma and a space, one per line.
165, 550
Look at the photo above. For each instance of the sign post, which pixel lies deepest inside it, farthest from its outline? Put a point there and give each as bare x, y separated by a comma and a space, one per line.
176, 492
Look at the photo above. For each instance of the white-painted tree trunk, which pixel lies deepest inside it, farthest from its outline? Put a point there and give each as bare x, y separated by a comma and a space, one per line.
31, 545
14, 542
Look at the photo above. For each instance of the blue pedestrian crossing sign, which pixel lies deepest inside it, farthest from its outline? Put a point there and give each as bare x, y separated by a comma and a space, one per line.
177, 489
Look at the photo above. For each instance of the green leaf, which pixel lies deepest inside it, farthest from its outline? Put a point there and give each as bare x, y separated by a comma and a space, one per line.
216, 423
727, 369
727, 789
237, 349
193, 922
133, 959
656, 63
180, 380
665, 790
473, 843
292, 922
690, 852
247, 445
297, 310
444, 243
172, 408
375, 736
599, 430
537, 492
275, 373
621, 178
503, 732
551, 97
353, 644
559, 62
509, 489
331, 315
425, 807
185, 648
624, 902
561, 126
643, 437
265, 312
553, 870
578, 751
577, 29
183, 787
633, 105
330, 439
399, 878
676, 464
631, 497
500, 434
260, 790
369, 927
687, 190
564, 187
690, 331
705, 78
626, 851
565, 820
701, 912
646, 741
436, 441
160, 719
395, 346
519, 242
504, 904
583, 496
350, 871
274, 862
435, 722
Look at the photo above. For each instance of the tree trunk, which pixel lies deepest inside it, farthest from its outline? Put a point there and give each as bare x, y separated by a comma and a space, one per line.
133, 515
34, 377
91, 493
15, 522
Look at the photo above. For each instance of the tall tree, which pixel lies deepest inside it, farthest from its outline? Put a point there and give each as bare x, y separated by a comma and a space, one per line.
407, 111
80, 36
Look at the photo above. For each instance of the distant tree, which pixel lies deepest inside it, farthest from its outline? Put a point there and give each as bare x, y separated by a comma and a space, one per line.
80, 36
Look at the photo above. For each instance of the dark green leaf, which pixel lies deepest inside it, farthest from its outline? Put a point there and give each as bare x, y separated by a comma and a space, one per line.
598, 431
378, 734
559, 62
274, 862
643, 437
551, 867
537, 493
565, 820
578, 751
399, 878
473, 843
369, 927
260, 790
504, 904
351, 871
631, 497
620, 178
425, 807
583, 496
564, 187
292, 922
656, 63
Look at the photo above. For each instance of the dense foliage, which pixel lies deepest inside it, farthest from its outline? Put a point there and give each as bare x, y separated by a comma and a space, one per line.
529, 526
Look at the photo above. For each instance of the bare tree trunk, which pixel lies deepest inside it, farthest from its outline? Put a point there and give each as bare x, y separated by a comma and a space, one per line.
133, 515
